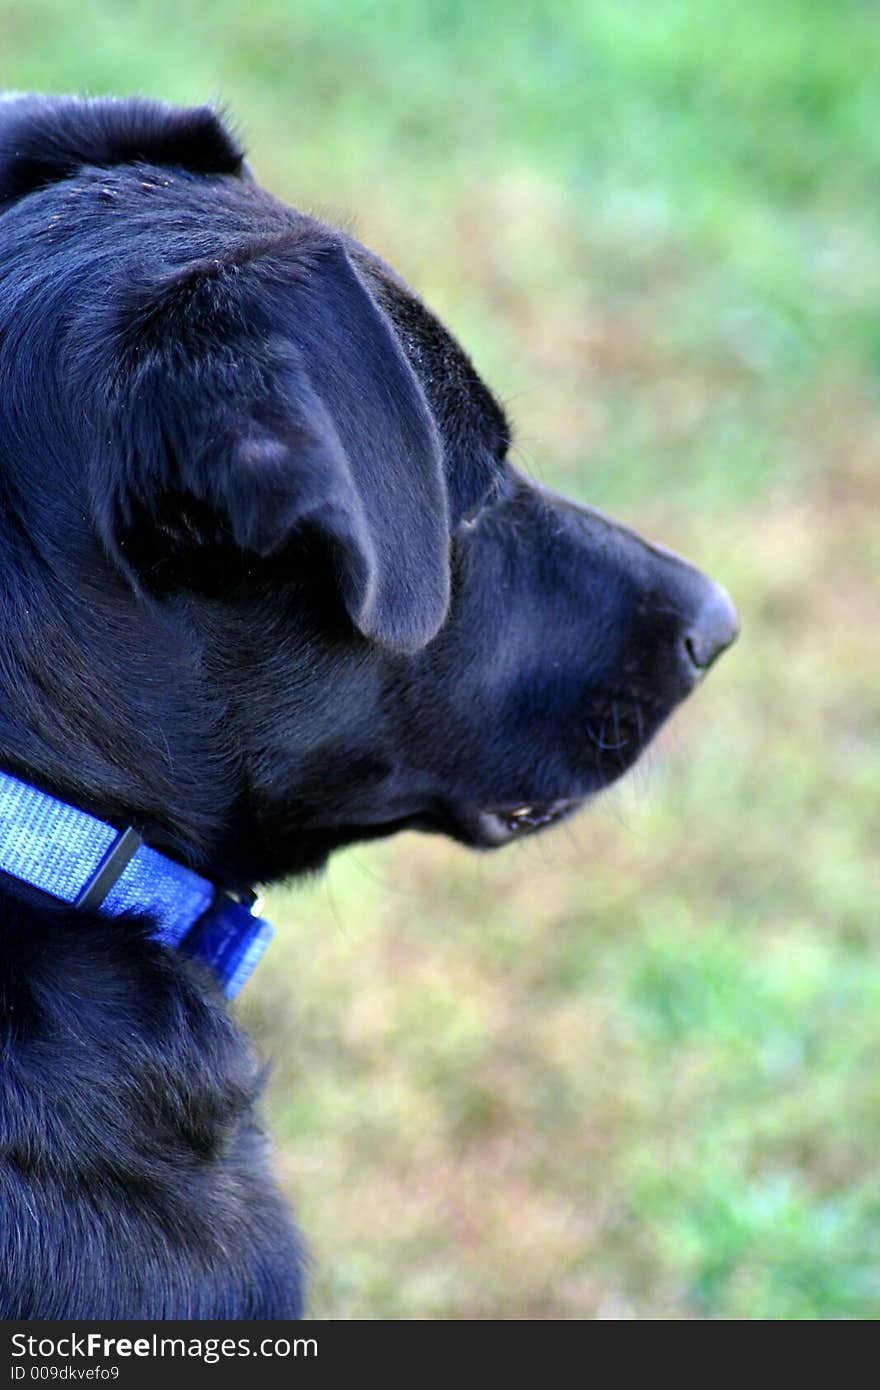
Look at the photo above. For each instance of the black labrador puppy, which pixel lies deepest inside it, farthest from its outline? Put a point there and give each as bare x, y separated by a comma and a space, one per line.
269, 586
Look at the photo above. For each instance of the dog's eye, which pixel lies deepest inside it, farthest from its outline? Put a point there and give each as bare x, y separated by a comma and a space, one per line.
496, 490
472, 517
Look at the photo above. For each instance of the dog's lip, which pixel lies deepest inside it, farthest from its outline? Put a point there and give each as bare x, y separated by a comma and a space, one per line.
489, 828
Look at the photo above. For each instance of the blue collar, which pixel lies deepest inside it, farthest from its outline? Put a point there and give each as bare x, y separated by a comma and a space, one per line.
84, 861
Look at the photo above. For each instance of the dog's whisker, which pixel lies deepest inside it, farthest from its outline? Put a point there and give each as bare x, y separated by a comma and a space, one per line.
598, 740
619, 744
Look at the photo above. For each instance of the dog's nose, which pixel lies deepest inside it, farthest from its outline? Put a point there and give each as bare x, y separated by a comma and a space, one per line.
712, 630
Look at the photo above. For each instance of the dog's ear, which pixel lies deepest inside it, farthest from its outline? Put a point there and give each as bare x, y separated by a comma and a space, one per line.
44, 139
266, 384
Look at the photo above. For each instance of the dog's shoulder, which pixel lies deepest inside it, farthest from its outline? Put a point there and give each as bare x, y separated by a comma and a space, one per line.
127, 1096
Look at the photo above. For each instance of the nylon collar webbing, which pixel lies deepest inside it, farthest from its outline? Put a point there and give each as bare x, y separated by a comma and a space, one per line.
87, 863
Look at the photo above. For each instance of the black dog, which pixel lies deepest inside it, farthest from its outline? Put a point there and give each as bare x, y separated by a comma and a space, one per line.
269, 585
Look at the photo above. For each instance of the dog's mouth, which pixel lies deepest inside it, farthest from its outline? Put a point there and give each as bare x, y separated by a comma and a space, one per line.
487, 829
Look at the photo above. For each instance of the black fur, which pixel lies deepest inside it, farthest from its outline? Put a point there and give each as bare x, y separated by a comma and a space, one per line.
269, 586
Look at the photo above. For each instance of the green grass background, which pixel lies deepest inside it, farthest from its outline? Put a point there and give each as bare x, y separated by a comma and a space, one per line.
629, 1069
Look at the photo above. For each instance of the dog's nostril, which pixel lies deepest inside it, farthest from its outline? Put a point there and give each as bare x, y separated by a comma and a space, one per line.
713, 630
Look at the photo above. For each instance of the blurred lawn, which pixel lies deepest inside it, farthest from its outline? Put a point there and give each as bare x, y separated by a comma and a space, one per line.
629, 1069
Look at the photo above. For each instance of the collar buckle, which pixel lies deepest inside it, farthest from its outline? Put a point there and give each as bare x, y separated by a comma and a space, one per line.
230, 937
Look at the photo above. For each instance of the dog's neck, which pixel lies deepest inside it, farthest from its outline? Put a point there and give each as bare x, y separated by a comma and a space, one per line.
75, 858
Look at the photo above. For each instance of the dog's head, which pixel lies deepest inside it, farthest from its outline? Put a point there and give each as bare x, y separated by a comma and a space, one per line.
270, 582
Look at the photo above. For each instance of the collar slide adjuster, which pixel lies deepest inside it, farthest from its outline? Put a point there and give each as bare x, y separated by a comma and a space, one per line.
110, 869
